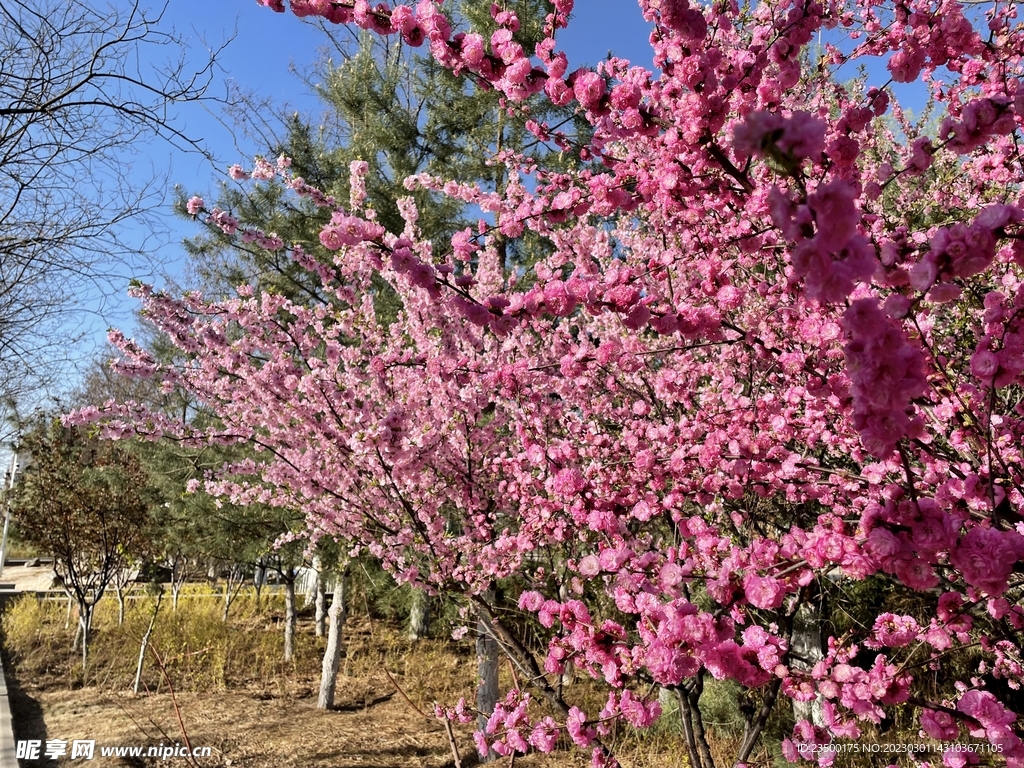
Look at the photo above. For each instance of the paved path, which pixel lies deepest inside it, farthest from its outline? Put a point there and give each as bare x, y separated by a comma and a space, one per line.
18, 577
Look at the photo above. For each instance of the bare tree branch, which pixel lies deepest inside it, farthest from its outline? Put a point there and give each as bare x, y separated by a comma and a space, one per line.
84, 92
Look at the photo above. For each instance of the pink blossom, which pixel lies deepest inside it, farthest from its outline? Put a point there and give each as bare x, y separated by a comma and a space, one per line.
949, 605
545, 735
835, 214
986, 709
589, 566
905, 65
939, 725
895, 631
581, 734
531, 601
763, 591
638, 713
589, 88
798, 136
984, 364
557, 298
262, 170
986, 556
916, 573
670, 666
687, 21
569, 481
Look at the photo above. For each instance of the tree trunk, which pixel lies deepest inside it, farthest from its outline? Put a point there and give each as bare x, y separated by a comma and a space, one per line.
74, 601
236, 577
145, 642
259, 579
693, 722
289, 614
85, 625
228, 597
179, 575
119, 591
805, 645
332, 654
321, 599
419, 614
487, 672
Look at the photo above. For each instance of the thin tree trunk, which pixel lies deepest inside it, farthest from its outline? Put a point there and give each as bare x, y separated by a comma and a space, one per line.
487, 672
74, 601
259, 579
85, 625
235, 577
145, 642
687, 723
321, 599
332, 654
693, 722
289, 614
756, 721
119, 591
179, 575
419, 614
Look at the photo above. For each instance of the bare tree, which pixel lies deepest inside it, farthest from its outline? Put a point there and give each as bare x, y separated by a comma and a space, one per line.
80, 102
85, 503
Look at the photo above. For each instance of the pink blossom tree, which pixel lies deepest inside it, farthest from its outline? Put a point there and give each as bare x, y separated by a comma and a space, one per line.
774, 351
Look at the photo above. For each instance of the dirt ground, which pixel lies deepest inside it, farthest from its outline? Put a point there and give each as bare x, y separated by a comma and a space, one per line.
372, 727
255, 711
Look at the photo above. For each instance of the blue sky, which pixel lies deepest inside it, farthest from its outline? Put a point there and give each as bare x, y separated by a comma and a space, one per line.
265, 50
267, 46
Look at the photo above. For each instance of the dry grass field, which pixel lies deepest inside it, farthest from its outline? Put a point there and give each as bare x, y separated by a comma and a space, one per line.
226, 687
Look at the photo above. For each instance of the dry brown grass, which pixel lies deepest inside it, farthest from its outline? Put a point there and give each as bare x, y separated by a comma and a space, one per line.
233, 692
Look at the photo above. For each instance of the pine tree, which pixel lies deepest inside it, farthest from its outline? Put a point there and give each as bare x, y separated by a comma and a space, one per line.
398, 110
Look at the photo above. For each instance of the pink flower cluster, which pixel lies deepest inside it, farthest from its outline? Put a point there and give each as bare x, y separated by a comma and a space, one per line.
961, 251
346, 230
992, 721
886, 372
907, 538
794, 138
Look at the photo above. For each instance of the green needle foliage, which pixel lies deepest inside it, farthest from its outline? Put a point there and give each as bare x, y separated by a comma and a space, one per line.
394, 108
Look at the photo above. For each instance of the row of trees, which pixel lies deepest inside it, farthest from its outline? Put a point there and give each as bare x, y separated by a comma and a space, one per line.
104, 514
754, 351
188, 532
